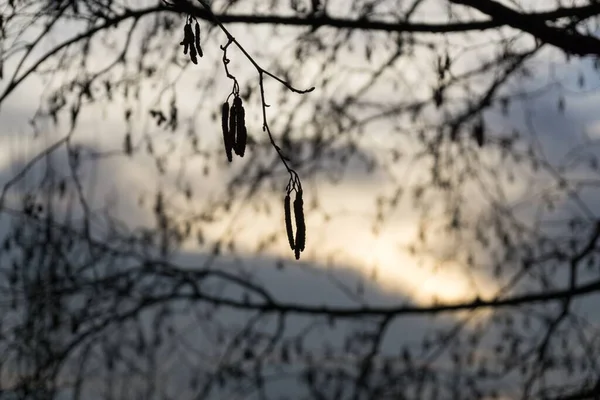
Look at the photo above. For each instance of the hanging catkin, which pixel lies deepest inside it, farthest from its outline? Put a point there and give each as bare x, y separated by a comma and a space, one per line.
241, 133
232, 125
1, 47
225, 127
288, 221
187, 39
300, 224
198, 47
189, 42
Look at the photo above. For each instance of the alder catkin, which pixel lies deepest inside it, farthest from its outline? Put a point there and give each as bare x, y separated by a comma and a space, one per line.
193, 56
288, 221
300, 224
225, 127
188, 37
188, 42
242, 139
1, 47
198, 47
241, 133
232, 126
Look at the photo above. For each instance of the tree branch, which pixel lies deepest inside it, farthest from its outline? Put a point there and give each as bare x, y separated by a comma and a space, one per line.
568, 40
318, 21
274, 306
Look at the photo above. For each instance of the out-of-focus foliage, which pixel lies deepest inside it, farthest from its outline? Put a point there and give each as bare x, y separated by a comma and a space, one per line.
140, 261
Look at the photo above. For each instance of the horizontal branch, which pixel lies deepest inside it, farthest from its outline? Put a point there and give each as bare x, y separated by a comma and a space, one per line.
273, 306
318, 21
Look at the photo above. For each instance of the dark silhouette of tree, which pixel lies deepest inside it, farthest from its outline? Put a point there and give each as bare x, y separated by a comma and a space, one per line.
438, 107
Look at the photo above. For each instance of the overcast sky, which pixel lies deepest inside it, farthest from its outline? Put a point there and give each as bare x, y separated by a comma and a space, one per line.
347, 240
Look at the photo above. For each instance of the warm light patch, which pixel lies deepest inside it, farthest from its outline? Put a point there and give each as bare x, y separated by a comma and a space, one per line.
348, 242
416, 277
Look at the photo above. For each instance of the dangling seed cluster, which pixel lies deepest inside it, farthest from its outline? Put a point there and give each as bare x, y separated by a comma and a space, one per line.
297, 244
191, 40
2, 34
235, 134
233, 124
227, 139
288, 220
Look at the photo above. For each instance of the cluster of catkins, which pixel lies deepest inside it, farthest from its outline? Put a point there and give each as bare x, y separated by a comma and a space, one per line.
234, 127
191, 41
297, 244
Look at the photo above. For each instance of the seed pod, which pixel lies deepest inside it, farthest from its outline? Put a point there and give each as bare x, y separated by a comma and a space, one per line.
198, 47
300, 225
225, 127
241, 133
288, 220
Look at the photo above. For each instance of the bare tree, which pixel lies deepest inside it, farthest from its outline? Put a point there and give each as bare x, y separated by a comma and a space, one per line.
141, 259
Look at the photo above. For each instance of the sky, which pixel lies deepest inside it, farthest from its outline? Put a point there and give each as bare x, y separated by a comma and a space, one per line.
352, 197
345, 246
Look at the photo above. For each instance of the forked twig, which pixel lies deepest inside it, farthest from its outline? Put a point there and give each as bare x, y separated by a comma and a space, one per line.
233, 125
